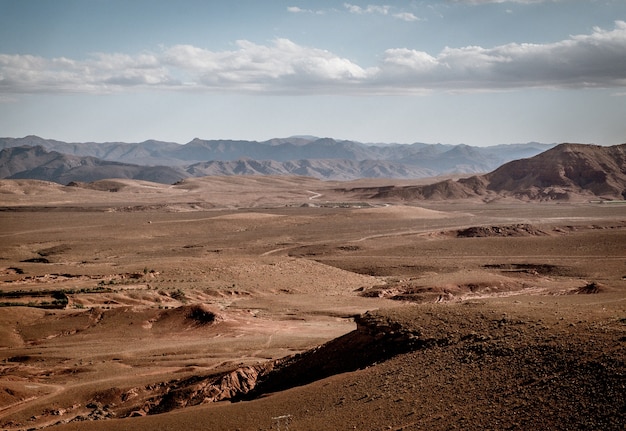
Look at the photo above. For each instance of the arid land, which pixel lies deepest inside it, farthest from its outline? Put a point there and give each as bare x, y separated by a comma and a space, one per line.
266, 303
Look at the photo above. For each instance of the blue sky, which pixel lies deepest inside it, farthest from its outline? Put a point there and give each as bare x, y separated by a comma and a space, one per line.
480, 72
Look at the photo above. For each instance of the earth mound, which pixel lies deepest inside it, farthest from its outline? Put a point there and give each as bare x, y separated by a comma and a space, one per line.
28, 187
186, 316
499, 231
590, 289
101, 185
448, 189
451, 287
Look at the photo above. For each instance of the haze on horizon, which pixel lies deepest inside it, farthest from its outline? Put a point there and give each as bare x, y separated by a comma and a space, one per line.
479, 72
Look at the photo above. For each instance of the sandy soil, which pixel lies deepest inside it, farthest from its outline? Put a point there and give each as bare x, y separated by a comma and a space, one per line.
283, 303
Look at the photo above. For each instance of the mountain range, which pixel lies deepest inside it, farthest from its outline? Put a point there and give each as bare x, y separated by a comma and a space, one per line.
563, 172
323, 158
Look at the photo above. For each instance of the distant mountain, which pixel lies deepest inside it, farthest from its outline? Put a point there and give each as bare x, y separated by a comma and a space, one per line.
37, 163
352, 159
337, 169
567, 171
149, 152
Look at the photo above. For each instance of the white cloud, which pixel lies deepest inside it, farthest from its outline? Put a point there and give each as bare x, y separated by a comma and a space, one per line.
101, 73
597, 59
296, 9
406, 16
280, 66
383, 10
359, 10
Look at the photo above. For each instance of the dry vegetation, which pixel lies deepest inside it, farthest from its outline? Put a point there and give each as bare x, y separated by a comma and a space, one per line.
290, 303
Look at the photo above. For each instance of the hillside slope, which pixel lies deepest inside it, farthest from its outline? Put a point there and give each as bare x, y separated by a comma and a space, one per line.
564, 170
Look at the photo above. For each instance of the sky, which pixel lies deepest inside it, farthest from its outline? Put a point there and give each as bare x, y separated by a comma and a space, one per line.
478, 72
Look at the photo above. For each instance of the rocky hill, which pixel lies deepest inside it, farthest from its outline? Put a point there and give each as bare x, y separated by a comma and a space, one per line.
565, 172
321, 158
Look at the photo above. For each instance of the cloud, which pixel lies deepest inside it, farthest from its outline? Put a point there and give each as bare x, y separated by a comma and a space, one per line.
406, 16
383, 10
281, 66
594, 60
359, 10
101, 73
590, 60
296, 9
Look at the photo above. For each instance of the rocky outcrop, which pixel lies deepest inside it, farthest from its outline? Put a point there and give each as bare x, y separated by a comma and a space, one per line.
515, 230
198, 390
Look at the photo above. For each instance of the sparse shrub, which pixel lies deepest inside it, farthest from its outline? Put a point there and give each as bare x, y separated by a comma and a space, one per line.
179, 295
201, 315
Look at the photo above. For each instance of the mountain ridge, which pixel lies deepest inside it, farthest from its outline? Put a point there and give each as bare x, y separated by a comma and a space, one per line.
415, 160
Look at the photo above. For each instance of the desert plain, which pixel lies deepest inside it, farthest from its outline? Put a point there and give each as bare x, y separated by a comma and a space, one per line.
275, 303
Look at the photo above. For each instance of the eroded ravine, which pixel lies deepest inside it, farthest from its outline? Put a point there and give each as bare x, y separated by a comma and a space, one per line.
375, 339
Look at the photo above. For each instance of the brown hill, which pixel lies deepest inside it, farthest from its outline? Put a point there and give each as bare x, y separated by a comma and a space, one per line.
565, 172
